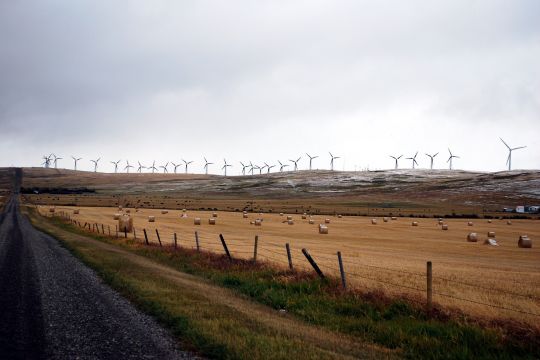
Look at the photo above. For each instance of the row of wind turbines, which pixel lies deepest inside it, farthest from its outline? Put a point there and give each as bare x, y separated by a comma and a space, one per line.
52, 160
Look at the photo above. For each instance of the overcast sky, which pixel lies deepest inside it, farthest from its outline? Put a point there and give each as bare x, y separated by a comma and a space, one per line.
268, 80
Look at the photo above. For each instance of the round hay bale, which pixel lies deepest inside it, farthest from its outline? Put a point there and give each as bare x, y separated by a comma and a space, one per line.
52, 209
280, 214
524, 241
212, 221
444, 227
339, 216
116, 216
289, 217
290, 222
415, 223
214, 214
470, 223
258, 222
393, 218
489, 221
508, 222
76, 211
441, 222
184, 210
491, 242
323, 229
245, 216
311, 221
151, 218
119, 208
164, 212
440, 219
327, 221
304, 217
244, 212
385, 219
373, 221
128, 211
125, 224
472, 237
491, 234
197, 221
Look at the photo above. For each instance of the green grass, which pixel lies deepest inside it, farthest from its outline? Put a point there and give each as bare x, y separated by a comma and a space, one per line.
391, 323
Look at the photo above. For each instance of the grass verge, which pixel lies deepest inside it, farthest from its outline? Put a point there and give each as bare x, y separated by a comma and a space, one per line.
219, 332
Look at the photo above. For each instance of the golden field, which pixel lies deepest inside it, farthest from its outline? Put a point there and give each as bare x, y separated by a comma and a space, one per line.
390, 255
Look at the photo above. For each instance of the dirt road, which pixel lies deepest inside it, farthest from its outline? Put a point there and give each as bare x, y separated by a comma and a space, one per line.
53, 307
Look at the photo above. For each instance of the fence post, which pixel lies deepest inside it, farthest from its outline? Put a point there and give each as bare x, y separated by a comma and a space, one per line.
125, 232
102, 229
146, 237
255, 248
159, 239
175, 242
225, 246
313, 263
341, 271
109, 226
197, 240
289, 257
97, 228
116, 228
134, 233
429, 287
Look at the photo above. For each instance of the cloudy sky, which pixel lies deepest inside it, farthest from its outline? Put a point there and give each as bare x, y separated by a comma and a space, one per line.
268, 80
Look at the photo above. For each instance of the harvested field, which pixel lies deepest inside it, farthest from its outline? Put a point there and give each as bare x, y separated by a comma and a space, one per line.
391, 255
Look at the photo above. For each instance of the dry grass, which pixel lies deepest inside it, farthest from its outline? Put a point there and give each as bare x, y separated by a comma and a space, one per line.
390, 256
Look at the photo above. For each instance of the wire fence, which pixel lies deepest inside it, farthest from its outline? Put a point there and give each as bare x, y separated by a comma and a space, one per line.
277, 253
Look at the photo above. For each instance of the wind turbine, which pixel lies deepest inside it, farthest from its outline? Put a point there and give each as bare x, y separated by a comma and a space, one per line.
75, 160
451, 157
176, 166
396, 158
413, 159
56, 158
225, 166
115, 165
258, 168
164, 167
139, 169
95, 163
509, 159
128, 166
252, 167
269, 167
187, 163
281, 166
332, 158
295, 163
206, 164
431, 158
243, 168
46, 161
261, 168
311, 159
153, 167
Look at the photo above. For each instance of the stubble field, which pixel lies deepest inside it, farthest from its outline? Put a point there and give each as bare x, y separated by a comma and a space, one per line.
488, 281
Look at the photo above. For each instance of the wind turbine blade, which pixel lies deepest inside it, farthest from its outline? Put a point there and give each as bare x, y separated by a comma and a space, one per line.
520, 147
505, 143
436, 154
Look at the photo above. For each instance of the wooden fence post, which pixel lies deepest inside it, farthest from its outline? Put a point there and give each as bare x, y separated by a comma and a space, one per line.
255, 248
175, 242
102, 229
429, 287
341, 271
116, 228
134, 234
159, 239
289, 257
109, 226
197, 240
225, 246
125, 232
146, 237
313, 263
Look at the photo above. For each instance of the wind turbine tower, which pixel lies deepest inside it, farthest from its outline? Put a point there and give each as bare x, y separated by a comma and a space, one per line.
332, 158
225, 166
413, 160
431, 157
311, 158
450, 158
186, 164
295, 163
95, 163
396, 158
115, 165
128, 166
509, 158
75, 160
206, 164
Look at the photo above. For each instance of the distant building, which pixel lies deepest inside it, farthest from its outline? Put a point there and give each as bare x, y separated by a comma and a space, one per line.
520, 209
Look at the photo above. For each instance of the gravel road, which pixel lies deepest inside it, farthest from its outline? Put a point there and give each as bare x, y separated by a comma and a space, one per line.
54, 307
